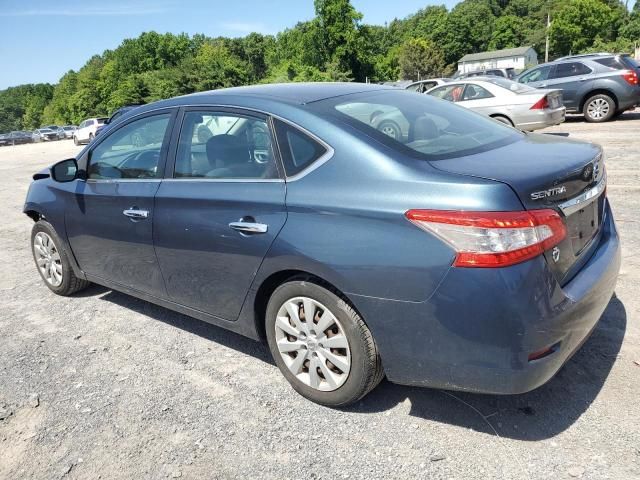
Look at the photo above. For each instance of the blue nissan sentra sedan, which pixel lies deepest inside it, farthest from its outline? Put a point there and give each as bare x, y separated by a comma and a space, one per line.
463, 254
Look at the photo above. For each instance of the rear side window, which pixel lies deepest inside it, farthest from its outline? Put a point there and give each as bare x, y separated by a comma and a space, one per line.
612, 63
572, 69
475, 92
298, 150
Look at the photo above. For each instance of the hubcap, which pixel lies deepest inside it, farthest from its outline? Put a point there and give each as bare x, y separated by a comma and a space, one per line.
389, 130
47, 259
312, 344
598, 109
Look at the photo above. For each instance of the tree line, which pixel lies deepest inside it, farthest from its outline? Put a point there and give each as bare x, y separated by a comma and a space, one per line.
336, 45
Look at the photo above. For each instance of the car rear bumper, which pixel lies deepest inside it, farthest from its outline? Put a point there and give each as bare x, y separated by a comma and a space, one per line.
535, 120
479, 328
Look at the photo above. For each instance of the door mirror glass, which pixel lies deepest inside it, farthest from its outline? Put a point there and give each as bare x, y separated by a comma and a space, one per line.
65, 171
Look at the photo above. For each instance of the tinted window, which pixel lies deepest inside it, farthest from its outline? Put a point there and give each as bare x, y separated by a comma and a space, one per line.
571, 70
225, 146
612, 63
427, 128
453, 93
132, 151
475, 92
536, 75
298, 150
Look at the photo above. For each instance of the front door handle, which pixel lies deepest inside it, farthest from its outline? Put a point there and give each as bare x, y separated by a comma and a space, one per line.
135, 213
249, 227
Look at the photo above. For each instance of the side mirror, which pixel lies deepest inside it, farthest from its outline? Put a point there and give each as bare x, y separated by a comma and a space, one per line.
65, 171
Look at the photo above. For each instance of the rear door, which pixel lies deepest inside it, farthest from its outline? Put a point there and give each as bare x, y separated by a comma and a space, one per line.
109, 219
219, 209
573, 78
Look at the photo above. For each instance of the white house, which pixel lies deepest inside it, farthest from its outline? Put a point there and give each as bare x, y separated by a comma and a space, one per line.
518, 58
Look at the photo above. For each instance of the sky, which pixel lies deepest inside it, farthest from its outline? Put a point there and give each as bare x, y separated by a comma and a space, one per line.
41, 40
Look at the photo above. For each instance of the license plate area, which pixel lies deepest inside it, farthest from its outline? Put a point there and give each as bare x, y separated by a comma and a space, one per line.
584, 224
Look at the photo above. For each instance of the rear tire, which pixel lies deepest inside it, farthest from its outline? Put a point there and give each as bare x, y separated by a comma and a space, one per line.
391, 129
91, 137
599, 108
52, 261
357, 368
75, 141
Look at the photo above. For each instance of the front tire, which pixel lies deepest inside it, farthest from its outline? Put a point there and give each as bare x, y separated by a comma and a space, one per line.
599, 108
391, 129
75, 141
52, 261
91, 137
329, 355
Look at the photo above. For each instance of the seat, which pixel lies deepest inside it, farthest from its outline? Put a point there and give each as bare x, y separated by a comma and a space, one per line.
424, 128
229, 157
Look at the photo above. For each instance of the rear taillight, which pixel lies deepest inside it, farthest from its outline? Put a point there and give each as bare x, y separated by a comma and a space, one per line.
631, 77
541, 104
493, 239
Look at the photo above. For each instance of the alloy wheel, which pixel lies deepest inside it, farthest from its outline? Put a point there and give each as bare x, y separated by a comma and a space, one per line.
598, 109
48, 259
313, 344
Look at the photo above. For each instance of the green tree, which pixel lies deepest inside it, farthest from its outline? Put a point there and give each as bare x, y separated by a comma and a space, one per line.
509, 31
420, 58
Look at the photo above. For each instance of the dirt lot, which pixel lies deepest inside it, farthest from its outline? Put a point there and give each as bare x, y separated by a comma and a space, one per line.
106, 386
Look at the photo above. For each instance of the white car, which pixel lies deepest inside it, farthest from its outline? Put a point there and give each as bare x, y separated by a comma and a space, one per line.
506, 101
69, 130
87, 130
422, 86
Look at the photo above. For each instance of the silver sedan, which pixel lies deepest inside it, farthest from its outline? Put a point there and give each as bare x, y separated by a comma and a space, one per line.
509, 102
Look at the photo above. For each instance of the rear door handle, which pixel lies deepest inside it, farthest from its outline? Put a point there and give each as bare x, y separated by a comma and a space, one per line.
249, 227
135, 213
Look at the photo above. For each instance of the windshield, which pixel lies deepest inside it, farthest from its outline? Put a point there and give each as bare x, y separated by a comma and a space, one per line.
102, 120
422, 126
509, 84
68, 128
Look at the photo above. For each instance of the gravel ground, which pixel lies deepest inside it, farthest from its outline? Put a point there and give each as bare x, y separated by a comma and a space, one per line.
103, 385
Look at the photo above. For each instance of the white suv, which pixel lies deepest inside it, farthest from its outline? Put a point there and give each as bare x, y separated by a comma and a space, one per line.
87, 130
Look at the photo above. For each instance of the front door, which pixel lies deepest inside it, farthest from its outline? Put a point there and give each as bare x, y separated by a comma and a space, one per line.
109, 218
220, 211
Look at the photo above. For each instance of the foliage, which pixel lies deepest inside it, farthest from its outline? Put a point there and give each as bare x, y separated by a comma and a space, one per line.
333, 46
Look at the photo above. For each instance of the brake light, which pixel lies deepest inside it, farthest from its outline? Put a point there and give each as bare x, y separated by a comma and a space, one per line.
541, 104
492, 239
631, 77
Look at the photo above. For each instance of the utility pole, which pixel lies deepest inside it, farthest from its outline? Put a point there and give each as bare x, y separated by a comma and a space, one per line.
546, 46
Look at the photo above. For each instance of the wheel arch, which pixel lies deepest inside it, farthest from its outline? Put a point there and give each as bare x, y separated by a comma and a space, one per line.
274, 280
597, 91
495, 115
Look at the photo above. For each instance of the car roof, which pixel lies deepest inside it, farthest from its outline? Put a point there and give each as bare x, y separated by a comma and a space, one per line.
292, 93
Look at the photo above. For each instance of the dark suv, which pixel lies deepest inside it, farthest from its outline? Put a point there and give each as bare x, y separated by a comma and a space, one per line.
600, 86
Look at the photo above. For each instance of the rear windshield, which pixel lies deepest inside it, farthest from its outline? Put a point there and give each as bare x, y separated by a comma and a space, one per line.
102, 120
422, 126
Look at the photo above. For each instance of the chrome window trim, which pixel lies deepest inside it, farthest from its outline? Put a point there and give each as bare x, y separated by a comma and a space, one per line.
318, 163
128, 180
576, 203
223, 180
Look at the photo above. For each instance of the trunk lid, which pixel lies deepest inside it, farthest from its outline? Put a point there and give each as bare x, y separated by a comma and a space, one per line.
548, 171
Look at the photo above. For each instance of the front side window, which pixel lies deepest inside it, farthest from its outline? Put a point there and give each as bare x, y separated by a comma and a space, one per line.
130, 152
224, 146
572, 69
536, 75
418, 125
475, 92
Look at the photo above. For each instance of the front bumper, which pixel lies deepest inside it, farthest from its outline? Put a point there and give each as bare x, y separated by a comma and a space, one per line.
478, 329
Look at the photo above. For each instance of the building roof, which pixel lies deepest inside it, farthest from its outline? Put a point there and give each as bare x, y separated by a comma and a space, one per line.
508, 52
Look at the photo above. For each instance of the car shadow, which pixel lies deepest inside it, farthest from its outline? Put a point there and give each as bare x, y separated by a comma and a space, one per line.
540, 414
629, 115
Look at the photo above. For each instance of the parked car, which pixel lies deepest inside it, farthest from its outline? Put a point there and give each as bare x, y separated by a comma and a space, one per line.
115, 116
69, 130
59, 131
4, 139
509, 73
509, 102
19, 137
44, 134
86, 131
289, 222
422, 86
598, 86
